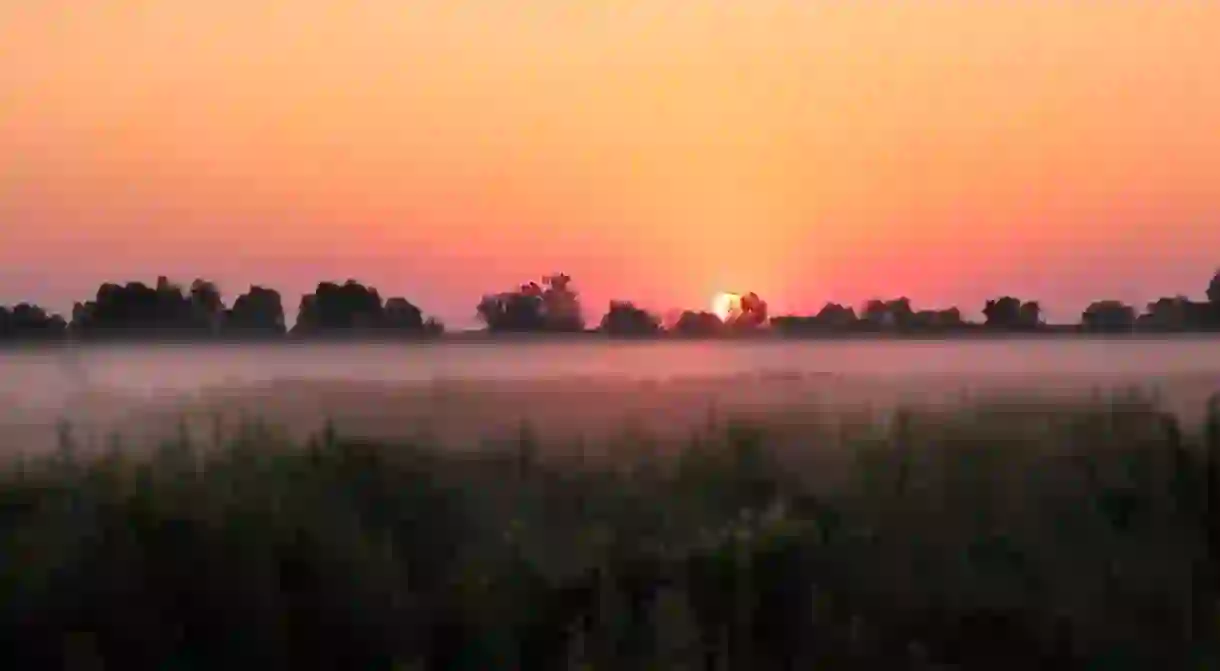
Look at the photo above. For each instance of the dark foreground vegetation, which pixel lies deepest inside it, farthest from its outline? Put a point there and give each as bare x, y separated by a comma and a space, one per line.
997, 536
351, 309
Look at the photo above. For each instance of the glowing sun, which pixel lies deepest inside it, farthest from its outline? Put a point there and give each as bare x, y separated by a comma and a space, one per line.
724, 304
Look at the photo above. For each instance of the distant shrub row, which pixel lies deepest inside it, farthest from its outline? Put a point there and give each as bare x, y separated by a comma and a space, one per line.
552, 306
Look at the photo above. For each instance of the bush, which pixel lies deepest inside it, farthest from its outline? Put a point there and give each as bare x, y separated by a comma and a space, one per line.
997, 536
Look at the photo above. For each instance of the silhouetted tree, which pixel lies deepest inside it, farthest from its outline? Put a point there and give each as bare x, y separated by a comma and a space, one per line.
433, 327
308, 318
832, 317
128, 308
401, 315
140, 310
951, 318
259, 311
693, 323
512, 311
794, 324
876, 315
83, 317
1209, 313
1029, 317
207, 306
880, 315
1170, 314
551, 306
924, 320
835, 316
334, 308
561, 304
1108, 316
1011, 314
1002, 313
936, 320
900, 312
173, 307
353, 308
624, 318
26, 321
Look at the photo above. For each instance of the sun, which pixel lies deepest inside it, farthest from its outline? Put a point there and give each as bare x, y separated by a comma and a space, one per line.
724, 303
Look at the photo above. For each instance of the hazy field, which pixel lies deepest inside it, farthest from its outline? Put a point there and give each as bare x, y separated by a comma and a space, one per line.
462, 392
1057, 535
459, 413
447, 508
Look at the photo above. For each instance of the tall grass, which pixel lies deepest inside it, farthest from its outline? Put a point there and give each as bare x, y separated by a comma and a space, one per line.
994, 536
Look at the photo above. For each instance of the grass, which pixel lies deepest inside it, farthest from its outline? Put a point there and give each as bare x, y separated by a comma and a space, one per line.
993, 536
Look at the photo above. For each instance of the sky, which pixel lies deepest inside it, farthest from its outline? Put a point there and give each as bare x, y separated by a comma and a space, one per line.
654, 150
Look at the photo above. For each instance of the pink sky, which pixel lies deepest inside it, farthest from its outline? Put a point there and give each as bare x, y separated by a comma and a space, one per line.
657, 150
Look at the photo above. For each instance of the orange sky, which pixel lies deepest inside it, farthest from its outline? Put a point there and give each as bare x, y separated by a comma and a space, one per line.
659, 150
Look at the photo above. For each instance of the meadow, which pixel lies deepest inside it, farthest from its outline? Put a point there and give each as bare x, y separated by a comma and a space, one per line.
992, 534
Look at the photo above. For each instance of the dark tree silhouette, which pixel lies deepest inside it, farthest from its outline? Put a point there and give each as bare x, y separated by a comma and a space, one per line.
875, 315
513, 311
258, 312
1172, 315
135, 309
835, 316
334, 309
901, 314
26, 321
1108, 316
936, 320
173, 306
1029, 317
309, 320
352, 308
625, 319
693, 323
83, 318
550, 306
1010, 313
880, 315
794, 324
561, 304
399, 314
129, 307
207, 307
1002, 313
433, 327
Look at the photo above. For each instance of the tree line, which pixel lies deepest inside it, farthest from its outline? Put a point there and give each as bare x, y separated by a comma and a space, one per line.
168, 311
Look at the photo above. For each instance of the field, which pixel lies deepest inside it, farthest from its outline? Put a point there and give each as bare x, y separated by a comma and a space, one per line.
992, 534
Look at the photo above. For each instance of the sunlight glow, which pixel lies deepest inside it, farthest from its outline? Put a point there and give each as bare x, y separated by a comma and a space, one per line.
723, 304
